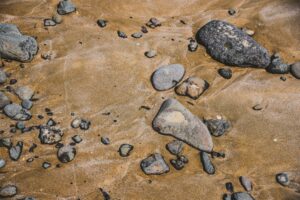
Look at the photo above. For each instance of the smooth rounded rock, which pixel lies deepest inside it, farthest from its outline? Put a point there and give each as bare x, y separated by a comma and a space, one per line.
66, 153
65, 7
175, 147
167, 77
16, 112
217, 127
225, 73
102, 23
192, 87
246, 183
24, 92
125, 150
2, 163
137, 35
77, 139
49, 22
295, 70
3, 77
8, 191
154, 165
150, 54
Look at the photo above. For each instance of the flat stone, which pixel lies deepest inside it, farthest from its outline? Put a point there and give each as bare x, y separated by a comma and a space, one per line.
167, 77
154, 165
192, 87
228, 44
295, 70
175, 147
76, 122
24, 92
102, 23
49, 135
241, 196
193, 45
65, 7
217, 127
137, 35
246, 183
49, 22
208, 167
16, 112
122, 34
27, 104
8, 191
175, 120
66, 153
290, 179
77, 139
16, 151
105, 140
3, 77
125, 150
4, 100
15, 46
2, 163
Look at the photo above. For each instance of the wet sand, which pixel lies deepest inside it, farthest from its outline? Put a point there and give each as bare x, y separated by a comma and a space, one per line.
95, 71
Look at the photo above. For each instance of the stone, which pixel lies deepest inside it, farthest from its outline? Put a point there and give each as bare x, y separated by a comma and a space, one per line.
51, 122
15, 46
20, 125
229, 187
193, 45
65, 7
290, 179
144, 29
84, 124
2, 163
137, 35
277, 66
24, 92
13, 81
192, 87
241, 196
4, 100
177, 164
257, 107
32, 147
57, 18
175, 147
76, 123
105, 194
295, 70
150, 54
105, 140
246, 183
125, 150
183, 158
102, 23
46, 165
122, 34
16, 151
208, 167
27, 104
153, 23
3, 77
231, 11
175, 120
49, 55
228, 44
49, 22
8, 191
16, 112
217, 127
167, 77
77, 139
154, 165
225, 73
49, 135
5, 142
66, 153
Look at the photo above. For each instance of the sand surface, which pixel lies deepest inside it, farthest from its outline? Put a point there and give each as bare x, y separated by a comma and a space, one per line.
94, 71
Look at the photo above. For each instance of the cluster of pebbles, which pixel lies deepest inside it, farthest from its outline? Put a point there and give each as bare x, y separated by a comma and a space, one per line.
223, 41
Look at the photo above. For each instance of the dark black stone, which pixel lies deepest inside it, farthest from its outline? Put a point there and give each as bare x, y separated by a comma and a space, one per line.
84, 124
192, 45
106, 196
144, 29
231, 11
122, 34
177, 164
33, 146
13, 81
225, 73
105, 140
229, 187
101, 22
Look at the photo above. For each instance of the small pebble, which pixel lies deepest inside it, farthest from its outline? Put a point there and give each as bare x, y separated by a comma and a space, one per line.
102, 23
2, 163
217, 127
49, 22
20, 125
177, 164
3, 77
144, 29
5, 142
246, 183
121, 34
46, 165
231, 11
8, 191
105, 194
193, 45
175, 147
229, 187
76, 123
84, 124
16, 151
76, 138
154, 165
257, 107
66, 153
241, 196
105, 140
125, 150
225, 73
153, 23
248, 31
150, 54
295, 70
33, 146
57, 18
51, 122
13, 81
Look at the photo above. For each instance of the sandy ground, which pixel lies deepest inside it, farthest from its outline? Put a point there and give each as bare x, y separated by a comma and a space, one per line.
95, 71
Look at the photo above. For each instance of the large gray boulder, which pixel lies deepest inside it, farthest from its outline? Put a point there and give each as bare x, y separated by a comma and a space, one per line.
175, 120
230, 45
15, 46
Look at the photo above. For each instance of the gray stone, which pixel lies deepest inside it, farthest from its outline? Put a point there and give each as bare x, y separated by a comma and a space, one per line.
122, 34
137, 35
8, 191
290, 179
208, 167
20, 125
51, 122
5, 142
125, 150
295, 70
4, 100
49, 22
46, 165
15, 46
175, 147
277, 66
16, 112
27, 104
84, 124
231, 11
241, 196
193, 45
24, 92
230, 45
3, 77
76, 138
150, 54
177, 164
49, 135
154, 165
66, 153
57, 18
217, 127
16, 151
102, 23
175, 120
246, 183
2, 163
153, 23
76, 122
167, 77
192, 87
65, 7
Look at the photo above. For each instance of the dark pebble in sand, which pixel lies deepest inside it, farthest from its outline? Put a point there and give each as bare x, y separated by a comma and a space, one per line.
229, 187
225, 73
84, 124
66, 153
150, 54
105, 194
121, 34
231, 11
217, 127
125, 150
144, 29
283, 179
51, 122
282, 78
183, 158
137, 35
105, 140
153, 23
257, 107
29, 160
246, 183
32, 147
76, 138
208, 167
13, 81
8, 191
177, 164
241, 196
102, 23
49, 22
16, 151
154, 165
175, 147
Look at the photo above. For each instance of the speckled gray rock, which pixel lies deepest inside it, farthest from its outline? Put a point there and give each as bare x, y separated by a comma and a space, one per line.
230, 45
295, 70
3, 77
154, 165
2, 163
277, 66
49, 135
208, 167
16, 112
241, 196
192, 87
27, 104
246, 183
16, 151
175, 120
4, 100
167, 77
15, 46
24, 92
225, 73
125, 150
8, 191
65, 7
66, 153
217, 127
175, 147
49, 22
153, 23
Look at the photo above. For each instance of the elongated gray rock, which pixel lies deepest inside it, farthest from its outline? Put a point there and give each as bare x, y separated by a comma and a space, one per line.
208, 166
175, 120
16, 151
154, 165
228, 44
16, 112
24, 92
15, 46
246, 183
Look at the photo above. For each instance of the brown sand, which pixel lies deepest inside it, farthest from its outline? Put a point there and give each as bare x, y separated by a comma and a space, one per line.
107, 73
